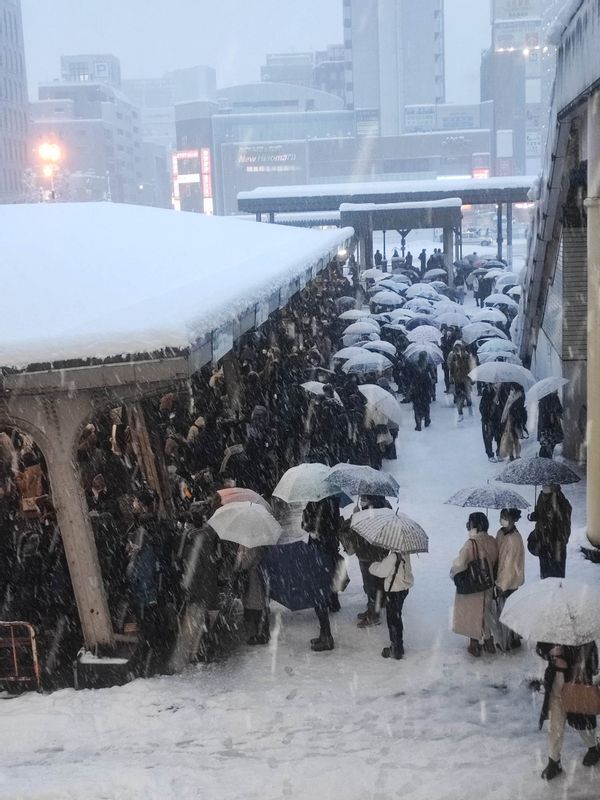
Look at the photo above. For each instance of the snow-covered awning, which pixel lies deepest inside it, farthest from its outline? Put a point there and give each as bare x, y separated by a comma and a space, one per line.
99, 280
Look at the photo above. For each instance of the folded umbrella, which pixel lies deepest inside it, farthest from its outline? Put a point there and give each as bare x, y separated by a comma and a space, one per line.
305, 483
545, 387
537, 472
487, 497
381, 400
237, 494
248, 524
556, 611
367, 362
358, 480
390, 530
501, 372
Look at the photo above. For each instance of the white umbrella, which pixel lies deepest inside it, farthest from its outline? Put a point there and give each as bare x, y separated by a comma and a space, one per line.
503, 356
499, 372
489, 315
458, 318
367, 362
422, 290
348, 352
373, 273
556, 611
498, 299
497, 345
355, 479
414, 355
381, 400
352, 339
487, 497
424, 333
387, 348
366, 325
316, 388
390, 530
545, 387
403, 313
387, 298
516, 291
420, 305
481, 330
431, 274
428, 347
393, 286
305, 483
494, 272
354, 315
507, 279
248, 524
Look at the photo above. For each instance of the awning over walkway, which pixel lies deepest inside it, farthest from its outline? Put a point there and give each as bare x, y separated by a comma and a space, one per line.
402, 216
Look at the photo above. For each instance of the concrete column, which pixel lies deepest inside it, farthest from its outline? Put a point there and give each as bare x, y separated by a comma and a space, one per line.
258, 216
499, 228
55, 425
448, 238
593, 320
384, 252
272, 217
509, 234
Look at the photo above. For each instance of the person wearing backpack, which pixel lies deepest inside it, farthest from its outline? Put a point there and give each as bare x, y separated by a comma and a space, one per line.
475, 564
396, 572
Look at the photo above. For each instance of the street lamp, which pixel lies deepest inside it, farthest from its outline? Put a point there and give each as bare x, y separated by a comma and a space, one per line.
50, 154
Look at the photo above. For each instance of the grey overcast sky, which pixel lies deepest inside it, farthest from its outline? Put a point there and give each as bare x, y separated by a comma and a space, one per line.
151, 36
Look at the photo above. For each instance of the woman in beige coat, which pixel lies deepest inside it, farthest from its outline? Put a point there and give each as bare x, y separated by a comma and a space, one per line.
474, 613
510, 574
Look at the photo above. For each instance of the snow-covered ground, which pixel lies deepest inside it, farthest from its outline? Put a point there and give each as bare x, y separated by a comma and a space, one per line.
284, 722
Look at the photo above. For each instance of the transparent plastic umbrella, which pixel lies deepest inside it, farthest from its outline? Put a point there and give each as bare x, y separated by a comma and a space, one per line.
545, 387
497, 346
248, 524
537, 472
359, 480
381, 400
501, 300
424, 333
367, 362
489, 315
366, 325
481, 330
353, 315
316, 388
305, 483
387, 298
387, 348
501, 372
487, 497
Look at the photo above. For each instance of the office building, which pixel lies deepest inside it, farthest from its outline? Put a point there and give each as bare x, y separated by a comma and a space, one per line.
323, 69
13, 103
394, 58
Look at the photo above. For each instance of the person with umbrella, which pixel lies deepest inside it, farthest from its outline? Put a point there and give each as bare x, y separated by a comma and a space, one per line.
548, 541
460, 364
567, 665
252, 589
422, 388
449, 336
473, 611
510, 573
550, 429
397, 576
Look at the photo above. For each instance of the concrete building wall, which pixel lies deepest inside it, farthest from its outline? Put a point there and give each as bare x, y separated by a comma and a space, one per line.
13, 103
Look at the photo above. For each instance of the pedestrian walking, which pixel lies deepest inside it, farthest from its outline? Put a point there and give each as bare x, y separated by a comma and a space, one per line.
423, 260
567, 665
422, 388
460, 364
550, 428
473, 611
491, 405
513, 422
510, 573
548, 541
396, 573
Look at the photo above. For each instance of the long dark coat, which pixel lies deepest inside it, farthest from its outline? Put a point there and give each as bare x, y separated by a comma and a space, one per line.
582, 665
550, 429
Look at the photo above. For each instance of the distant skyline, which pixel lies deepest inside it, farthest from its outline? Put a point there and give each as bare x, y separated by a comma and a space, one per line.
233, 36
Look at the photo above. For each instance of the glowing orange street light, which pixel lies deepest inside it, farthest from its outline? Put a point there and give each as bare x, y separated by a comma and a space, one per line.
50, 152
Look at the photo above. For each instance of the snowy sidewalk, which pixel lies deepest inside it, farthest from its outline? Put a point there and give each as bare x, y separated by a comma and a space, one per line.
284, 722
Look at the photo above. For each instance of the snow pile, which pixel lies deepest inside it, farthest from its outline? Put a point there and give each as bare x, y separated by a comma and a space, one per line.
102, 279
560, 21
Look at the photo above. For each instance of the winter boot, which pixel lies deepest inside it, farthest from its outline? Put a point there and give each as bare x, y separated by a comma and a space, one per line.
371, 618
322, 643
489, 646
394, 651
553, 768
427, 422
334, 603
474, 648
417, 427
592, 757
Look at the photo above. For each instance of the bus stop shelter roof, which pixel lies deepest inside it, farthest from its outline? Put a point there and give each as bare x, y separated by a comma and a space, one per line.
329, 197
402, 216
101, 280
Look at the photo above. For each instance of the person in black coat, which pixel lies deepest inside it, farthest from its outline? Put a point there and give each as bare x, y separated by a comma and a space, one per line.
550, 429
421, 391
378, 258
423, 260
493, 399
548, 541
567, 665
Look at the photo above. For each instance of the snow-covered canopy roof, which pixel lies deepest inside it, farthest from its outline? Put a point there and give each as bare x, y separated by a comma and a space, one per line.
83, 280
451, 202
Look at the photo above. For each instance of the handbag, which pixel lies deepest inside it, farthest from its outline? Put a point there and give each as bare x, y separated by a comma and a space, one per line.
533, 543
477, 577
580, 698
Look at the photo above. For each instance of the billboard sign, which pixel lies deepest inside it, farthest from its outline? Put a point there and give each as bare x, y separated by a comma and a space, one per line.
517, 9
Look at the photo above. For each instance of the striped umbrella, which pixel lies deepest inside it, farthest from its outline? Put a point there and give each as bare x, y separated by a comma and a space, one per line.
390, 530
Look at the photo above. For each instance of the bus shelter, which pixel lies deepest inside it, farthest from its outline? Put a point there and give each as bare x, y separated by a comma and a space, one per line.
109, 305
366, 218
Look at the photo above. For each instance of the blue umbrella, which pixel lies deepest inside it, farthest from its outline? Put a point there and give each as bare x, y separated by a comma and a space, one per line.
300, 575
